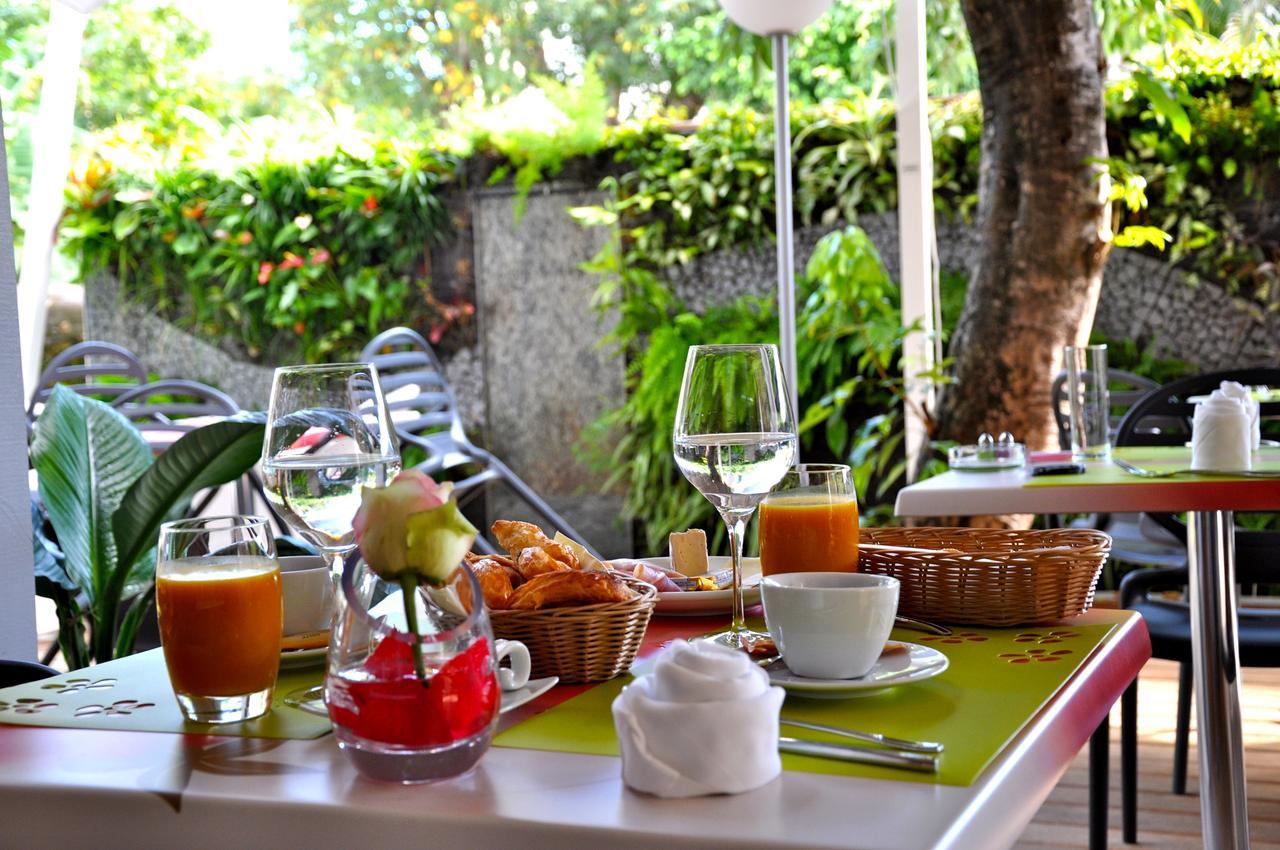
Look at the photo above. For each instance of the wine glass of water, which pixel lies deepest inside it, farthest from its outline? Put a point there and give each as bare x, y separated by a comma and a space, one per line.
735, 437
328, 436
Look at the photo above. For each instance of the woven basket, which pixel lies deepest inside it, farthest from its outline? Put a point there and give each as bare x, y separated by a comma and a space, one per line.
1002, 578
586, 643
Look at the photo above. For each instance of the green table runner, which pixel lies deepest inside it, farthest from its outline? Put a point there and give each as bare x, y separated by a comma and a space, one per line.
134, 694
998, 680
1150, 457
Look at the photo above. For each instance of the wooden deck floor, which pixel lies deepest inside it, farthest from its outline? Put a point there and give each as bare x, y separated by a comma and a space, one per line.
1167, 821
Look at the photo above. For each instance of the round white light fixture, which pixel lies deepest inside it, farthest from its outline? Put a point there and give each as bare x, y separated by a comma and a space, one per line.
772, 17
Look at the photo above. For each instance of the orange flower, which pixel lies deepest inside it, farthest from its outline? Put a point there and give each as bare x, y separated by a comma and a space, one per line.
290, 261
320, 257
264, 273
298, 328
370, 204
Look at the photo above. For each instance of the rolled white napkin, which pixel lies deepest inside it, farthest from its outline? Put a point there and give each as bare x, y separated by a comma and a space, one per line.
1220, 434
705, 721
1237, 390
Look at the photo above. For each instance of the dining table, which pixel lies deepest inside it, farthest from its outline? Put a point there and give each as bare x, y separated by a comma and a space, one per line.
1210, 501
106, 787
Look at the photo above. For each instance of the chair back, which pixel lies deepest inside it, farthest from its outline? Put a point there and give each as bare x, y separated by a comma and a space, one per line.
423, 407
1163, 417
82, 367
1126, 388
173, 404
21, 672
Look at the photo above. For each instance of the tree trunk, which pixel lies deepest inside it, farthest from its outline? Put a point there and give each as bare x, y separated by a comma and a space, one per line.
1041, 216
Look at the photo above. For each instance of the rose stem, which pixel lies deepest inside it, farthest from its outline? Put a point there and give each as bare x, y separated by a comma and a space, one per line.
409, 586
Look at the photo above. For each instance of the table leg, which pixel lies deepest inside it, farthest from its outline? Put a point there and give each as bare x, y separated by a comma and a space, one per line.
1215, 650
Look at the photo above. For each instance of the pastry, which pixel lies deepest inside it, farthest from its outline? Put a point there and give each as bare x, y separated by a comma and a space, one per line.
570, 587
518, 536
495, 581
533, 562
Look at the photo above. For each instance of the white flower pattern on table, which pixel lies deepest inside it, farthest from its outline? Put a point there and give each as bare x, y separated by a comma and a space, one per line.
72, 686
26, 705
119, 708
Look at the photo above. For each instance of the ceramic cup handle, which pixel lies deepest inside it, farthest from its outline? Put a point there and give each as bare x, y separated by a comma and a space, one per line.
517, 675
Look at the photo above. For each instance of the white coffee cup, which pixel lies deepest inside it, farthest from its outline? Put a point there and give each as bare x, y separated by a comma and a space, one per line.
830, 625
308, 594
516, 676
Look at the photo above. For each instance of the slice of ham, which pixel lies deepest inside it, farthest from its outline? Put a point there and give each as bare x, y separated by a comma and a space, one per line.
647, 573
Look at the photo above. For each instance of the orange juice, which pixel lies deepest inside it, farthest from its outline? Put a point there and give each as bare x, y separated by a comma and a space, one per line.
220, 623
806, 532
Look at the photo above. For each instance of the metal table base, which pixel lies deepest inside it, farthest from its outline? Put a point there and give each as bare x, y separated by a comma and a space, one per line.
1216, 658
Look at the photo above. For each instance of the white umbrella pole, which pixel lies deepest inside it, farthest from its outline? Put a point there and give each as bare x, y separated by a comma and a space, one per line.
51, 146
782, 183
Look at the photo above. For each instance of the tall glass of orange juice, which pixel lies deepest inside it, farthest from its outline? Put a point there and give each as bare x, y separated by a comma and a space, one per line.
809, 523
220, 609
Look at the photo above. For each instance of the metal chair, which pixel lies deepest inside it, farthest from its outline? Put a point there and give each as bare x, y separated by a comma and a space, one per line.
425, 413
1134, 539
21, 672
81, 366
172, 406
1169, 620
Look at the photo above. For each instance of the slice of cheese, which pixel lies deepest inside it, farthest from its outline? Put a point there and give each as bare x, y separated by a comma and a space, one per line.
586, 561
689, 552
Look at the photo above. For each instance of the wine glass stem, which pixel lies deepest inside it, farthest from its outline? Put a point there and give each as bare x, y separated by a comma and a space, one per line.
736, 522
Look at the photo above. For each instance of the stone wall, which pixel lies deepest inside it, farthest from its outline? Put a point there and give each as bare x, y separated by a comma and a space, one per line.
1142, 299
546, 376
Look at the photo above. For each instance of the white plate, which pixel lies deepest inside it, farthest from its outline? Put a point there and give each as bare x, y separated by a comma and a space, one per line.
893, 668
533, 689
300, 659
692, 603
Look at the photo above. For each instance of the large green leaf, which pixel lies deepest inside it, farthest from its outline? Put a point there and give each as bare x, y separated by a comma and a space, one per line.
48, 557
206, 457
86, 455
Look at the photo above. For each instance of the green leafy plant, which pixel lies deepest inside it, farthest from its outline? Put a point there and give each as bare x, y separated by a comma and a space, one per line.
848, 346
103, 499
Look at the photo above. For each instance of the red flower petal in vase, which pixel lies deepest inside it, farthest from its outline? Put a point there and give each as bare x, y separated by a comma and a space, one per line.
394, 706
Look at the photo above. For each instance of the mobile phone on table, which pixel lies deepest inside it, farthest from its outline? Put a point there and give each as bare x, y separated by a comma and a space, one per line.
1058, 469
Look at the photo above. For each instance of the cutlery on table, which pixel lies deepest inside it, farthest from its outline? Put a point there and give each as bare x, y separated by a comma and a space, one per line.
921, 625
862, 755
870, 737
1141, 472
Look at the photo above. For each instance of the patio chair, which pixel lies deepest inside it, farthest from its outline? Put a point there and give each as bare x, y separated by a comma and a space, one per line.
21, 672
164, 410
1169, 619
82, 367
1134, 540
425, 413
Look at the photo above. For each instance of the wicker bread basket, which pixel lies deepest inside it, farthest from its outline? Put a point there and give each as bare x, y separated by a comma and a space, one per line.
997, 578
585, 643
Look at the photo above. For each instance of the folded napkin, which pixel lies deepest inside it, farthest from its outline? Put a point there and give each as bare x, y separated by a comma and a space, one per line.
1237, 390
705, 721
1221, 434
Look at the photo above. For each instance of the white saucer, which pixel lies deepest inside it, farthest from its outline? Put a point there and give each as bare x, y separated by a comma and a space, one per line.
695, 603
533, 689
300, 659
893, 668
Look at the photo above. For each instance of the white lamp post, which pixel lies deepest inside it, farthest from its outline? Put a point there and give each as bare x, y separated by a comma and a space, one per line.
778, 19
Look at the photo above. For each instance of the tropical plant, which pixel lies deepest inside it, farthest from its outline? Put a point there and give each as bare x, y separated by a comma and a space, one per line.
102, 500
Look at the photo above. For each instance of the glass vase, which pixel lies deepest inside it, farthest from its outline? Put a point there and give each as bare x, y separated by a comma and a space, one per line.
394, 724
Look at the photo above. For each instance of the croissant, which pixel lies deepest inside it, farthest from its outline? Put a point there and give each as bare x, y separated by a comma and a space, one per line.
570, 587
495, 584
534, 562
473, 558
515, 537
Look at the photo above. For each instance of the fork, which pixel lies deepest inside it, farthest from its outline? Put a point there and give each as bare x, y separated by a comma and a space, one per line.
869, 737
1169, 473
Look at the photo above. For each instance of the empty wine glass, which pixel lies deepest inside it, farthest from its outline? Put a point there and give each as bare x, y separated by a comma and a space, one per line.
735, 437
328, 436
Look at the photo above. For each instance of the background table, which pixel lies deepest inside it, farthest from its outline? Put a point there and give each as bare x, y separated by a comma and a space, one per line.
1211, 561
67, 788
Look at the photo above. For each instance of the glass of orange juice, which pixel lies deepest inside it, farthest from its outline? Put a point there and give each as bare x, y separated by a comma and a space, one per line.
809, 523
220, 609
